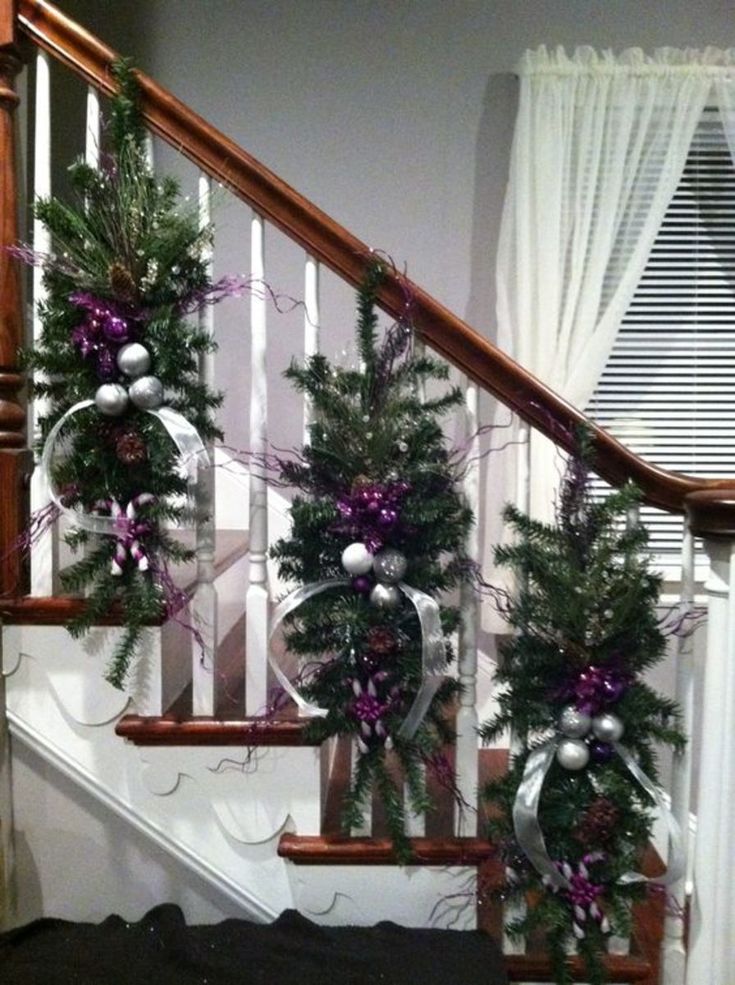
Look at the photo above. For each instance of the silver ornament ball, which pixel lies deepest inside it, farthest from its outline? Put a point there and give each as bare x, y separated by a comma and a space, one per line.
572, 754
357, 559
573, 723
389, 566
134, 359
607, 727
146, 392
111, 399
385, 596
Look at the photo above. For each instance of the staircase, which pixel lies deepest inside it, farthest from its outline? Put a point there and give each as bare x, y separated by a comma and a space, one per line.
184, 754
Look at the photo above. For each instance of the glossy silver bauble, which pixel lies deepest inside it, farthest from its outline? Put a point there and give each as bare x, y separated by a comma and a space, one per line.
389, 566
572, 754
111, 399
146, 392
357, 559
573, 723
607, 727
385, 596
134, 359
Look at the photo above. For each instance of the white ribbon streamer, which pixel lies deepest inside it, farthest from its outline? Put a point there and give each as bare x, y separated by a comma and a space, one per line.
183, 434
530, 837
432, 649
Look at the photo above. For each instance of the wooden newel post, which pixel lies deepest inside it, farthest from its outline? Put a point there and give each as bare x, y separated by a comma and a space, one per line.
14, 457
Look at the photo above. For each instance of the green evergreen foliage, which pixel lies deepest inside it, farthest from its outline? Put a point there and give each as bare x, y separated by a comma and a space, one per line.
128, 244
373, 432
584, 609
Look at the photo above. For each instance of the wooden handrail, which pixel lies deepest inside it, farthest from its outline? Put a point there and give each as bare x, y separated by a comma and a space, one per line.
342, 252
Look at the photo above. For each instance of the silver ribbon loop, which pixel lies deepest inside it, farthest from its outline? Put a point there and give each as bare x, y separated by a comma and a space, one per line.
283, 609
432, 649
433, 657
530, 837
183, 434
525, 813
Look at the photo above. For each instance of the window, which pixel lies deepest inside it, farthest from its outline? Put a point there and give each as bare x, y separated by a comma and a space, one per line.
668, 390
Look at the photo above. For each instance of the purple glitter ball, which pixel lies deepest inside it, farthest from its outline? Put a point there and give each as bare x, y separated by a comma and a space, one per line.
106, 365
387, 517
601, 752
115, 328
362, 584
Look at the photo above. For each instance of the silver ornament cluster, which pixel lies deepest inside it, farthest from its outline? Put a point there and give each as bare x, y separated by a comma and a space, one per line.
389, 567
572, 754
111, 399
574, 725
385, 596
607, 727
145, 392
134, 360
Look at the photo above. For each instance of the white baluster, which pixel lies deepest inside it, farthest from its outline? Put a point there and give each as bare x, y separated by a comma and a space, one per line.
311, 329
466, 746
673, 946
257, 594
44, 557
415, 824
205, 598
364, 830
712, 930
92, 136
517, 909
149, 150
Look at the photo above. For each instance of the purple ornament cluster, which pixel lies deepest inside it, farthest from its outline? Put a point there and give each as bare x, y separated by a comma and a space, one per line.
105, 328
596, 688
371, 512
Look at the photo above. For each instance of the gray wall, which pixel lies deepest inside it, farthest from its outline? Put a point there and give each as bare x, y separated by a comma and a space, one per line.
394, 116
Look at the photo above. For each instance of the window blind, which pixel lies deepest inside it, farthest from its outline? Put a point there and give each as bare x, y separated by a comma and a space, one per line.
668, 390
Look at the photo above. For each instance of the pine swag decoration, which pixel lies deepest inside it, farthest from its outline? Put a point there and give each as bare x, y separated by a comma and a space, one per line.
586, 630
126, 269
378, 514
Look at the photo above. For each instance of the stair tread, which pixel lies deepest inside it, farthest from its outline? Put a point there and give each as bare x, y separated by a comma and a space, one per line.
536, 968
345, 850
55, 610
201, 730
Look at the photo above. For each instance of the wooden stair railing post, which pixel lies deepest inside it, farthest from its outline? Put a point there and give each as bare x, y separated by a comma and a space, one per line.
14, 459
712, 926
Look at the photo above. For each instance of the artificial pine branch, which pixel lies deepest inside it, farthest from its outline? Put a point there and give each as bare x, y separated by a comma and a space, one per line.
127, 265
586, 629
372, 434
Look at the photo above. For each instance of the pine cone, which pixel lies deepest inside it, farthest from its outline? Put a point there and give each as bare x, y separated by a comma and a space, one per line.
121, 282
130, 448
381, 639
598, 824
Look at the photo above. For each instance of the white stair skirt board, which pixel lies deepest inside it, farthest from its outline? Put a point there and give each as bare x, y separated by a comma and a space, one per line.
218, 810
413, 896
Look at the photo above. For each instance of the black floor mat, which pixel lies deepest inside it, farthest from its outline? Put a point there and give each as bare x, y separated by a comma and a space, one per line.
162, 950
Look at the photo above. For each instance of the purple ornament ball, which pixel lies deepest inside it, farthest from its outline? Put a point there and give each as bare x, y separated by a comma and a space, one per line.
116, 328
601, 752
387, 517
362, 584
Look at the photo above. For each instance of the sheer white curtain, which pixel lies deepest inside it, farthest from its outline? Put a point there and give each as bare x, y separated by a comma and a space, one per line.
599, 147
